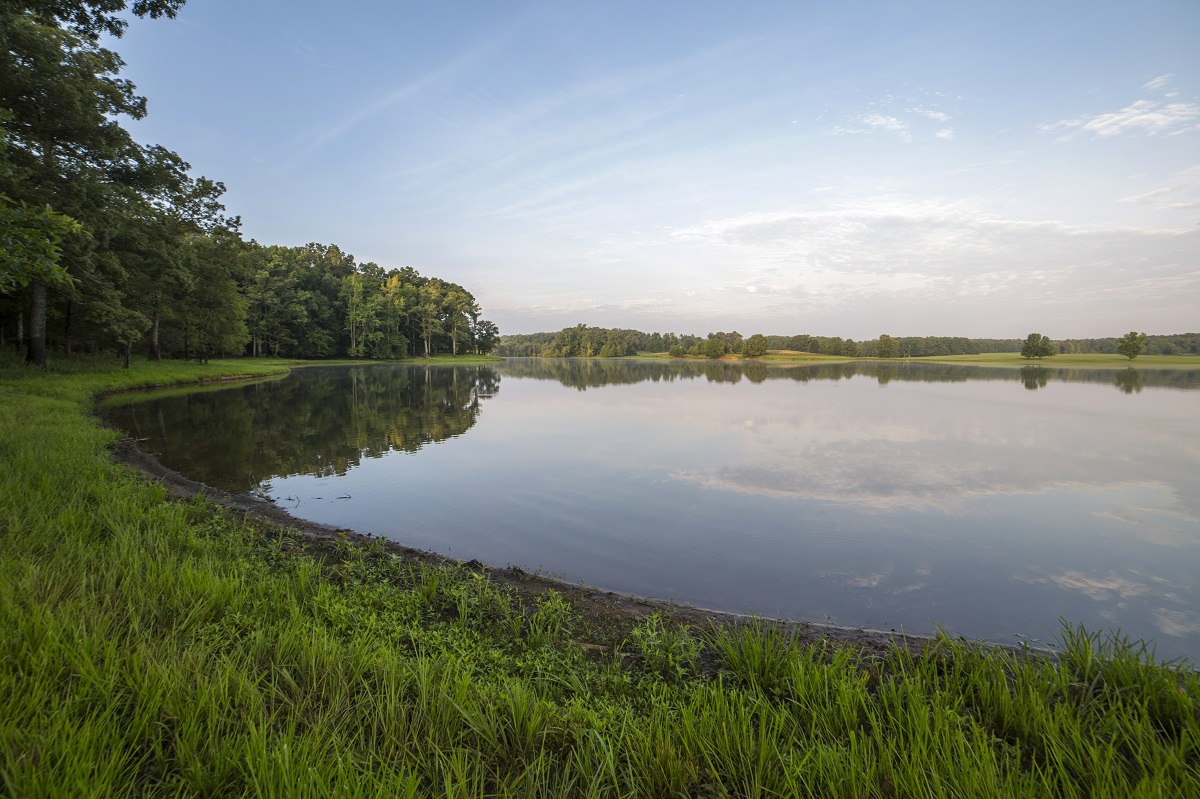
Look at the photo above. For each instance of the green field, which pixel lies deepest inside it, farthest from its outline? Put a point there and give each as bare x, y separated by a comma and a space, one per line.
1086, 359
986, 359
162, 648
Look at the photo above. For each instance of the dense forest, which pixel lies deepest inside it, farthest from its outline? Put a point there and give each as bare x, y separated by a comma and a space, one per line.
107, 243
585, 342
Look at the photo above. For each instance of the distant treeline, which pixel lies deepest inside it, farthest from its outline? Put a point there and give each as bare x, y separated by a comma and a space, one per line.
588, 342
1175, 344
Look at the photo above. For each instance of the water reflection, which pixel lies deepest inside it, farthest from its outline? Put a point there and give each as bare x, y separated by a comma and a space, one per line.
1035, 377
585, 373
319, 421
1129, 381
953, 495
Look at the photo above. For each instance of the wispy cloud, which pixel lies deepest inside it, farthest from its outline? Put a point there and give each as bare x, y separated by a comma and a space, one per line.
929, 113
887, 234
1148, 117
908, 118
875, 123
318, 138
1159, 83
891, 253
880, 122
1182, 192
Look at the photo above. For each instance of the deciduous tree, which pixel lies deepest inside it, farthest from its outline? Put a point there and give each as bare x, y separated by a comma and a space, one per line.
1037, 346
1132, 344
755, 346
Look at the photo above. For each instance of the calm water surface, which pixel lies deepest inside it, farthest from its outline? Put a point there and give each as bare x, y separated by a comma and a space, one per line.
989, 501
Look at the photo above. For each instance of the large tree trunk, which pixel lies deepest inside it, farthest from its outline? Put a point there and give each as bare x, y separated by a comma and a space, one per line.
67, 332
128, 352
155, 352
37, 327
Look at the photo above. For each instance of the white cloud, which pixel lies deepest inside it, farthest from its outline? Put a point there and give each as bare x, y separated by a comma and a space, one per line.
945, 133
1185, 183
1158, 83
895, 254
936, 116
1143, 116
886, 233
1149, 196
892, 124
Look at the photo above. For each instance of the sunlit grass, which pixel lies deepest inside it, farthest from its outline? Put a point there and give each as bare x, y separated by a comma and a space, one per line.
155, 648
1081, 359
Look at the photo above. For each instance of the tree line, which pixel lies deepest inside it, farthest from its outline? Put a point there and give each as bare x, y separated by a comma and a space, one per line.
582, 341
1174, 344
105, 242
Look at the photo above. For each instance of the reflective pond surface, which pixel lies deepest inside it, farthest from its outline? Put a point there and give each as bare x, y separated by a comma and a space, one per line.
988, 500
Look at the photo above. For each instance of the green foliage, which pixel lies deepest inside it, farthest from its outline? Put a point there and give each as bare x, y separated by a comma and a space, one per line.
93, 18
29, 244
533, 344
667, 651
582, 341
1037, 346
755, 346
887, 347
713, 347
1132, 344
755, 654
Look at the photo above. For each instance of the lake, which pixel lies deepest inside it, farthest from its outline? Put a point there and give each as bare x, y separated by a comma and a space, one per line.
987, 500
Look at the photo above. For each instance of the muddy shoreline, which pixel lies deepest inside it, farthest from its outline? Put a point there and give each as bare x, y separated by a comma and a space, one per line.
611, 611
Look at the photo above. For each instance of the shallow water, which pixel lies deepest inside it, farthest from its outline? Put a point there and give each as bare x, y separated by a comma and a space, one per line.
990, 501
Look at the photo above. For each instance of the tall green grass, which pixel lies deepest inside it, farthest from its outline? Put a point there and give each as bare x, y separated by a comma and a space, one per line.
155, 648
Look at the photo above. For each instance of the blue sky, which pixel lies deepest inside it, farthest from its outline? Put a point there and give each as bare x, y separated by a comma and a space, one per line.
843, 169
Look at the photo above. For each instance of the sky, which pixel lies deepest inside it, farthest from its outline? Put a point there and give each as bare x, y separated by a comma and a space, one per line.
838, 169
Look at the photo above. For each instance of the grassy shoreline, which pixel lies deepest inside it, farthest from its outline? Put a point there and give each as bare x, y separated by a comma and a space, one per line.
166, 648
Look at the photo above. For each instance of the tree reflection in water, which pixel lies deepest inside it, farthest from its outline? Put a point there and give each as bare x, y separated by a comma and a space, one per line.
585, 373
1035, 377
325, 420
1129, 381
319, 420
